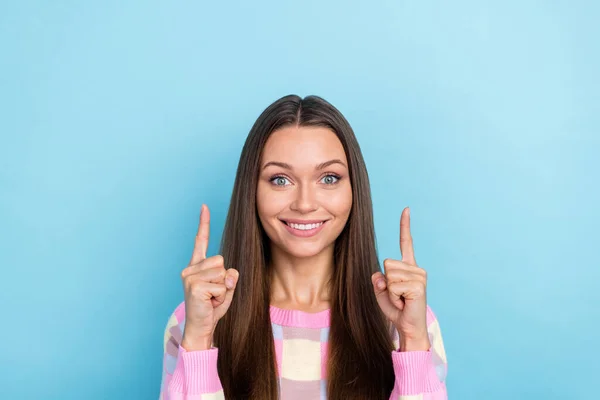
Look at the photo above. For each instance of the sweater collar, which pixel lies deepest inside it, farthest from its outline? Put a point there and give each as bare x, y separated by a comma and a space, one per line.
300, 319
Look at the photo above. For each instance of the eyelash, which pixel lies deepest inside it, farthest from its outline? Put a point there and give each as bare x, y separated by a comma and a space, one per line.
336, 176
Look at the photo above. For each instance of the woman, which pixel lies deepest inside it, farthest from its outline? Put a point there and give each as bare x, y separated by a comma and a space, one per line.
296, 307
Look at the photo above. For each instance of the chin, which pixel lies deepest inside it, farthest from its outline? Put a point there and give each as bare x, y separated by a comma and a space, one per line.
303, 250
299, 253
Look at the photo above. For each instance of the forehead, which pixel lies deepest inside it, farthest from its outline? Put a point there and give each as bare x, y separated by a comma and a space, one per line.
302, 145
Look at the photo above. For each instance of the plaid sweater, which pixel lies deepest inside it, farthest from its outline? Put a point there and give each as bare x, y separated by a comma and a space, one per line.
301, 352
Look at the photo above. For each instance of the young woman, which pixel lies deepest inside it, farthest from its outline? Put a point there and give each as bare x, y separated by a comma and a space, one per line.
296, 306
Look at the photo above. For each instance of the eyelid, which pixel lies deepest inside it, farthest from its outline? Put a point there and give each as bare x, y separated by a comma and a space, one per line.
273, 177
332, 174
338, 177
279, 176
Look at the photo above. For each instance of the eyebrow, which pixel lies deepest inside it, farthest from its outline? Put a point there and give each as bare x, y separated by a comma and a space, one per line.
288, 166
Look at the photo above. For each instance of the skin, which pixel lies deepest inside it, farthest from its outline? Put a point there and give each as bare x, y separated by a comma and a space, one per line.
302, 267
401, 292
208, 290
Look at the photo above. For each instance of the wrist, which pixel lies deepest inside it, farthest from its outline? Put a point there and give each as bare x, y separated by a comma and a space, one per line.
414, 345
192, 342
414, 342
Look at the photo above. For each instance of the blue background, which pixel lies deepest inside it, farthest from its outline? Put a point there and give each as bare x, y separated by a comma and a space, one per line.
119, 119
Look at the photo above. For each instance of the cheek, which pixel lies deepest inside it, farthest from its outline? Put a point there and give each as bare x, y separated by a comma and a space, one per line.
268, 202
339, 202
262, 204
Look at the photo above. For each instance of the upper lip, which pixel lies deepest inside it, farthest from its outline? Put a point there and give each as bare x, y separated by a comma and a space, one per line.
302, 221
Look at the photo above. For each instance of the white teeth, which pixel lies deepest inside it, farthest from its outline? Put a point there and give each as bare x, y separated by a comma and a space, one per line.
305, 227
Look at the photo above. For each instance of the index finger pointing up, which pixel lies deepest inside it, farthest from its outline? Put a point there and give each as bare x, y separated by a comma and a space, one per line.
406, 242
201, 244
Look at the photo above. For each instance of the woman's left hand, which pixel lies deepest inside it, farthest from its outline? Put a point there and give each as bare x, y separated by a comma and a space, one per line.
401, 293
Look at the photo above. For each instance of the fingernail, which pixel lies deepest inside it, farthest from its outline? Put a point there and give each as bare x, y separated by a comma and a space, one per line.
380, 284
229, 283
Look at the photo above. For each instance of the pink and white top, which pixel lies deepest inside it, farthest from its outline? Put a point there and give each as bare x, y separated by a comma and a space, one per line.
301, 341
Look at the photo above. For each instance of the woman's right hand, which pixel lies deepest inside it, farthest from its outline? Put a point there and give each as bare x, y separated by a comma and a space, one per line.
208, 289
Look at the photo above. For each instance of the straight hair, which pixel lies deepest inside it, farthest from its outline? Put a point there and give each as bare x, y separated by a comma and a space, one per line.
359, 364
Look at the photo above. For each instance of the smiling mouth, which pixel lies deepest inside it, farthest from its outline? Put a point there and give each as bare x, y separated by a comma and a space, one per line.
304, 227
304, 230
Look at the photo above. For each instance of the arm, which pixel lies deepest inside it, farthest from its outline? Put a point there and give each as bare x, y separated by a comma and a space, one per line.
421, 375
187, 375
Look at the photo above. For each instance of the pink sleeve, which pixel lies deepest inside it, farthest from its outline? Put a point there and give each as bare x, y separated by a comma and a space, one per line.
195, 376
421, 375
187, 375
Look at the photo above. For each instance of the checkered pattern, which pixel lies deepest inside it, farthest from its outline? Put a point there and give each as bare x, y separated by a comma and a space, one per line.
301, 341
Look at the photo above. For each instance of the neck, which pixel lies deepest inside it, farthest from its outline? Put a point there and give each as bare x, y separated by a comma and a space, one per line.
301, 283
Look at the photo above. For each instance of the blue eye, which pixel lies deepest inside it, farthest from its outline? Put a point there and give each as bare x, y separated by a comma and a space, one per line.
282, 181
279, 180
330, 179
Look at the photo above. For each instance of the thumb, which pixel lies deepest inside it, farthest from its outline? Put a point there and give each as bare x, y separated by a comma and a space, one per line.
379, 283
381, 293
231, 279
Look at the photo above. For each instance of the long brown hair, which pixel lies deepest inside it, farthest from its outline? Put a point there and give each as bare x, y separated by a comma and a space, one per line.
359, 363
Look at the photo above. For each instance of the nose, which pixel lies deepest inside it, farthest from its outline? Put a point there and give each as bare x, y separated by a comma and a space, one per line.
305, 201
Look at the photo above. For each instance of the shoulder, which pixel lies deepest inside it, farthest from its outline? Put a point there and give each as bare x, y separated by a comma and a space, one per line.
174, 329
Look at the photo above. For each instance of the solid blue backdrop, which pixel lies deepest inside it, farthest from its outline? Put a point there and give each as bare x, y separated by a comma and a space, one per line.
119, 119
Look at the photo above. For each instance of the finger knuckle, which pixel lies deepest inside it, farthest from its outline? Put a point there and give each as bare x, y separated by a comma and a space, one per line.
419, 287
219, 259
392, 276
191, 281
394, 286
196, 290
187, 281
221, 272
